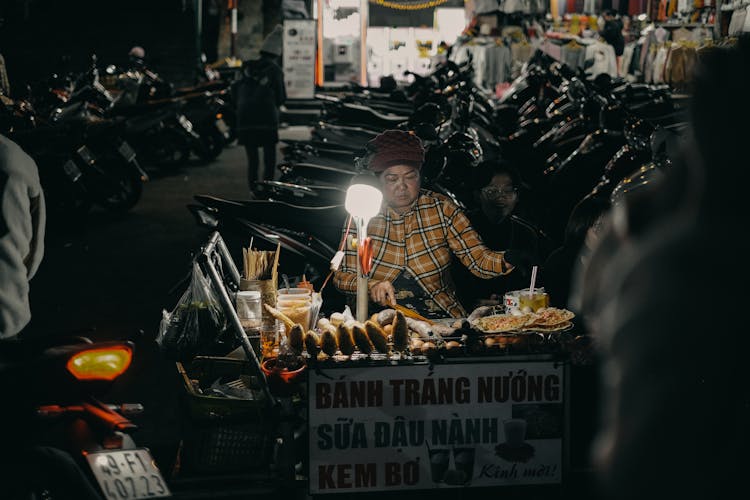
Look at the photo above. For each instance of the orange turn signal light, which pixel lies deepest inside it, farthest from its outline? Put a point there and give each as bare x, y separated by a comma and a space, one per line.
104, 363
219, 116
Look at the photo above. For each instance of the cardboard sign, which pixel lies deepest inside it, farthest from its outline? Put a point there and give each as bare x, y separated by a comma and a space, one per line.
441, 426
299, 58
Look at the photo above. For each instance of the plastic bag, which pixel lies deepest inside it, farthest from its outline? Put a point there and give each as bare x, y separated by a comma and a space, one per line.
194, 324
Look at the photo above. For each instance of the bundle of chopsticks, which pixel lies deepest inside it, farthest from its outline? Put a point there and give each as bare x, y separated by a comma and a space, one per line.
258, 264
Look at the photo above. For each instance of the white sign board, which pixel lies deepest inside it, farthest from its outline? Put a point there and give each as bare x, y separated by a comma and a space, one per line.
441, 426
299, 58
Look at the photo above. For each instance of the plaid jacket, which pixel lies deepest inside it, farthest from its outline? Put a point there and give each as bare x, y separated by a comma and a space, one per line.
420, 242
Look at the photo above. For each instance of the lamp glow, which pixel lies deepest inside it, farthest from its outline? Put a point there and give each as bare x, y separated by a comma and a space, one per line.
363, 201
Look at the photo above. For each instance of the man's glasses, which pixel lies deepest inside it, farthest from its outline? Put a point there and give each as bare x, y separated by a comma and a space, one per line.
493, 192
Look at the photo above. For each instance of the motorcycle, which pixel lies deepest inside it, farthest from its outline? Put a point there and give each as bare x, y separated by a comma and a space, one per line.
104, 164
66, 443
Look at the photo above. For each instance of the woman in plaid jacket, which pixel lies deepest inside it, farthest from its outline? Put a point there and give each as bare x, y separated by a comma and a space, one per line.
414, 236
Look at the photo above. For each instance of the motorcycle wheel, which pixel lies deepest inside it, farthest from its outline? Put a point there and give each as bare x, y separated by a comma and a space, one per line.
119, 189
172, 149
211, 144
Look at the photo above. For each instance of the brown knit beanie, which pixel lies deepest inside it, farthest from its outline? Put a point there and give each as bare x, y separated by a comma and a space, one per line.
395, 147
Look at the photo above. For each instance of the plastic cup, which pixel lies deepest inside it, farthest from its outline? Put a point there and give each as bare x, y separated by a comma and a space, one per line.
463, 459
294, 291
439, 460
270, 336
515, 431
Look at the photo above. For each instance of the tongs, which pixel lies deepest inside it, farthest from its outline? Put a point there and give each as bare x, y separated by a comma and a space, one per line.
409, 313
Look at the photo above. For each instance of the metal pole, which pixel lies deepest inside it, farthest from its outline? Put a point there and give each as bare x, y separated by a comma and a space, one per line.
362, 294
233, 50
364, 17
198, 4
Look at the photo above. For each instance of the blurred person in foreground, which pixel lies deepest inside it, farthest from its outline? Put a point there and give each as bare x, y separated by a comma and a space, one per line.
583, 225
675, 398
22, 226
415, 236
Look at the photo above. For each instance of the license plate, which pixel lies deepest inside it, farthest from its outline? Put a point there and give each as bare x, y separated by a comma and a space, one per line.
72, 170
128, 474
126, 151
222, 126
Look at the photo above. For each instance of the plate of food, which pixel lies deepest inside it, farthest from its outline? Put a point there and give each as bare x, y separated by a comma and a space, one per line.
500, 323
550, 319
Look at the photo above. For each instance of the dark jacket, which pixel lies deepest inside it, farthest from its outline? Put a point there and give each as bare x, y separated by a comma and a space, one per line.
258, 95
612, 34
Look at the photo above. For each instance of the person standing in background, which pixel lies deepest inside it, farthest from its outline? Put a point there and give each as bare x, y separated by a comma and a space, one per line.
258, 96
502, 221
611, 32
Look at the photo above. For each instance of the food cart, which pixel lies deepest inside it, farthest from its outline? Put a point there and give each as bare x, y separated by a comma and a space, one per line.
392, 404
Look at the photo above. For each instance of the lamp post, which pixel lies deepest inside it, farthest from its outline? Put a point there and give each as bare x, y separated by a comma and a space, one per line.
233, 28
363, 203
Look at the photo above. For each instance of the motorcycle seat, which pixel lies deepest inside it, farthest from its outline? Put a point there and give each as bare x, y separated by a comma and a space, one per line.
393, 119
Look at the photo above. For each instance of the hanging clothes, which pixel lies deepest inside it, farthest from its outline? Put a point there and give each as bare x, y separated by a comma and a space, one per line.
600, 58
679, 70
637, 7
648, 68
681, 35
573, 54
511, 6
520, 53
627, 57
662, 14
485, 7
498, 62
661, 34
737, 22
671, 8
660, 62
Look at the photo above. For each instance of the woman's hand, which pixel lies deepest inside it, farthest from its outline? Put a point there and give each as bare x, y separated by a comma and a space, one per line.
383, 293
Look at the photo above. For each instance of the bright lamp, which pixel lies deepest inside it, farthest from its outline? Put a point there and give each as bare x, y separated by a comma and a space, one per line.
363, 201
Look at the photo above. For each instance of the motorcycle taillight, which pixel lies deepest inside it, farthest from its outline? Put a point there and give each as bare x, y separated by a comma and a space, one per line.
100, 363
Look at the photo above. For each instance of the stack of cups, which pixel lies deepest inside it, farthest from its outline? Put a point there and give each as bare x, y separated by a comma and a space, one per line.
296, 303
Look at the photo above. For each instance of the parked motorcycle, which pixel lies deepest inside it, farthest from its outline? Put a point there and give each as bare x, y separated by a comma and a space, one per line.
102, 163
61, 441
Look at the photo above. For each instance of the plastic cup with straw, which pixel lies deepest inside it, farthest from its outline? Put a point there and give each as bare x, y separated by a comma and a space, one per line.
533, 281
532, 300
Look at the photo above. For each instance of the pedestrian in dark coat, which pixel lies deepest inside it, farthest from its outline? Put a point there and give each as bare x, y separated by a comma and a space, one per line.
258, 96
